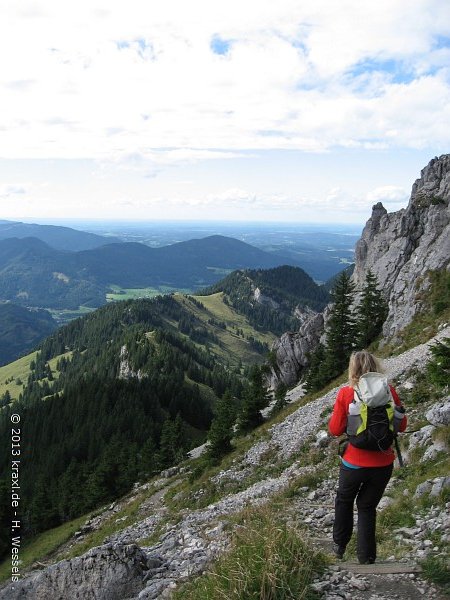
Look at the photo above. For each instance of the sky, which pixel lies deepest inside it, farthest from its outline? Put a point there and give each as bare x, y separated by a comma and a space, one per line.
290, 111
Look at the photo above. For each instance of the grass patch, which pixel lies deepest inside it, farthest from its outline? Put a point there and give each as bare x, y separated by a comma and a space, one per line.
436, 570
15, 375
15, 372
267, 560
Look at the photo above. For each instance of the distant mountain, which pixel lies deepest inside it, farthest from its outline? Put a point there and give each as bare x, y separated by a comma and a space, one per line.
21, 330
33, 274
272, 299
61, 238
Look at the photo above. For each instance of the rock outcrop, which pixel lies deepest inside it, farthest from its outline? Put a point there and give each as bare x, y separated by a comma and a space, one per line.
291, 350
108, 572
400, 248
125, 370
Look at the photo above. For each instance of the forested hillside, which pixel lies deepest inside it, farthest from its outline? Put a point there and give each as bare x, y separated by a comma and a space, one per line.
21, 330
119, 395
269, 297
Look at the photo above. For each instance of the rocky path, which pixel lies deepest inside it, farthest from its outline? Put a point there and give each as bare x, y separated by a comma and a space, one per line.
188, 545
344, 579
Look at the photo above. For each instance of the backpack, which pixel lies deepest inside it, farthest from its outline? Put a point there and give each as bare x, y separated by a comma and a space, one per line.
372, 421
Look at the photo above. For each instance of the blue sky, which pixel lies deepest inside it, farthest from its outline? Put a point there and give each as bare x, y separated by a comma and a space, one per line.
291, 111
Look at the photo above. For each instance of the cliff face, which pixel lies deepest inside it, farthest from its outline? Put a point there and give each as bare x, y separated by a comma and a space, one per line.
401, 247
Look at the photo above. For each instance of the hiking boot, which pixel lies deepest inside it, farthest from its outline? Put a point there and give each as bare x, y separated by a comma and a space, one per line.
338, 551
366, 561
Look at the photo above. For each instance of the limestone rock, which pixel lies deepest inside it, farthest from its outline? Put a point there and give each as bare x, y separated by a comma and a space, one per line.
260, 298
421, 437
423, 488
109, 572
439, 485
401, 247
292, 348
439, 414
436, 447
125, 370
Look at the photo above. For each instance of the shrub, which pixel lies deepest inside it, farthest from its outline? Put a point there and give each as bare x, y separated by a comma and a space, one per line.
436, 569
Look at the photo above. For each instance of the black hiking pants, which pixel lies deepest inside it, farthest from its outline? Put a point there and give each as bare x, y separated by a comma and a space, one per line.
367, 485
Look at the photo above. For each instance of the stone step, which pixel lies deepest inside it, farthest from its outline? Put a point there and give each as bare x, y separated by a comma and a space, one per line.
380, 568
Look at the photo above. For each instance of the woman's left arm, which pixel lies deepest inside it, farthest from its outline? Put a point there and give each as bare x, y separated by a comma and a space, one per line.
397, 401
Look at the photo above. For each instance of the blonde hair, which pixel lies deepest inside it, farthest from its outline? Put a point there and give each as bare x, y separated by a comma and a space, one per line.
360, 363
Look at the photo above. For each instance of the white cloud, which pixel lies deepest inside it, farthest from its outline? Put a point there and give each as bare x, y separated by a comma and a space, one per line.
8, 190
101, 79
388, 194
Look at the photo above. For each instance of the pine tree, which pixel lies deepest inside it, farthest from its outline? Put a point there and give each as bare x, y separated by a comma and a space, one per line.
255, 398
371, 312
280, 399
221, 431
316, 375
341, 326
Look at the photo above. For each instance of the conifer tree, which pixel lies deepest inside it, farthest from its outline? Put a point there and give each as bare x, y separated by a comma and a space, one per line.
255, 398
371, 312
316, 375
221, 431
341, 326
280, 399
172, 442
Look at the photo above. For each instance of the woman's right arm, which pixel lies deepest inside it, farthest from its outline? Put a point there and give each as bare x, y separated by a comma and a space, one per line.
338, 420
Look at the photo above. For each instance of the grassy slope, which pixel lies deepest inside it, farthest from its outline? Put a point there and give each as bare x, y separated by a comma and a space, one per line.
232, 346
19, 370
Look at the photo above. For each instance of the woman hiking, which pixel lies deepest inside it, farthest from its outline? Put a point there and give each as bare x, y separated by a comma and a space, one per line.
371, 413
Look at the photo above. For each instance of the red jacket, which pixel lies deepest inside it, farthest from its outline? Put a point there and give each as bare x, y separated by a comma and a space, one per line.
338, 425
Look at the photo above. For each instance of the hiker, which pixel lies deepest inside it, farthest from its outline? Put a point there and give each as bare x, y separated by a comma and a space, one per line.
364, 473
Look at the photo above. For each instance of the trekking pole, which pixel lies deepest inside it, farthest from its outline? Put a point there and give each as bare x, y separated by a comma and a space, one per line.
399, 454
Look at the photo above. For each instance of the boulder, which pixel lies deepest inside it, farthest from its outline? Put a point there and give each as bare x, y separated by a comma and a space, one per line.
439, 414
423, 488
439, 485
108, 572
292, 348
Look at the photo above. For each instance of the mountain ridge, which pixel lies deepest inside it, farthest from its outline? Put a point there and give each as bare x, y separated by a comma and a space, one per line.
56, 236
30, 269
